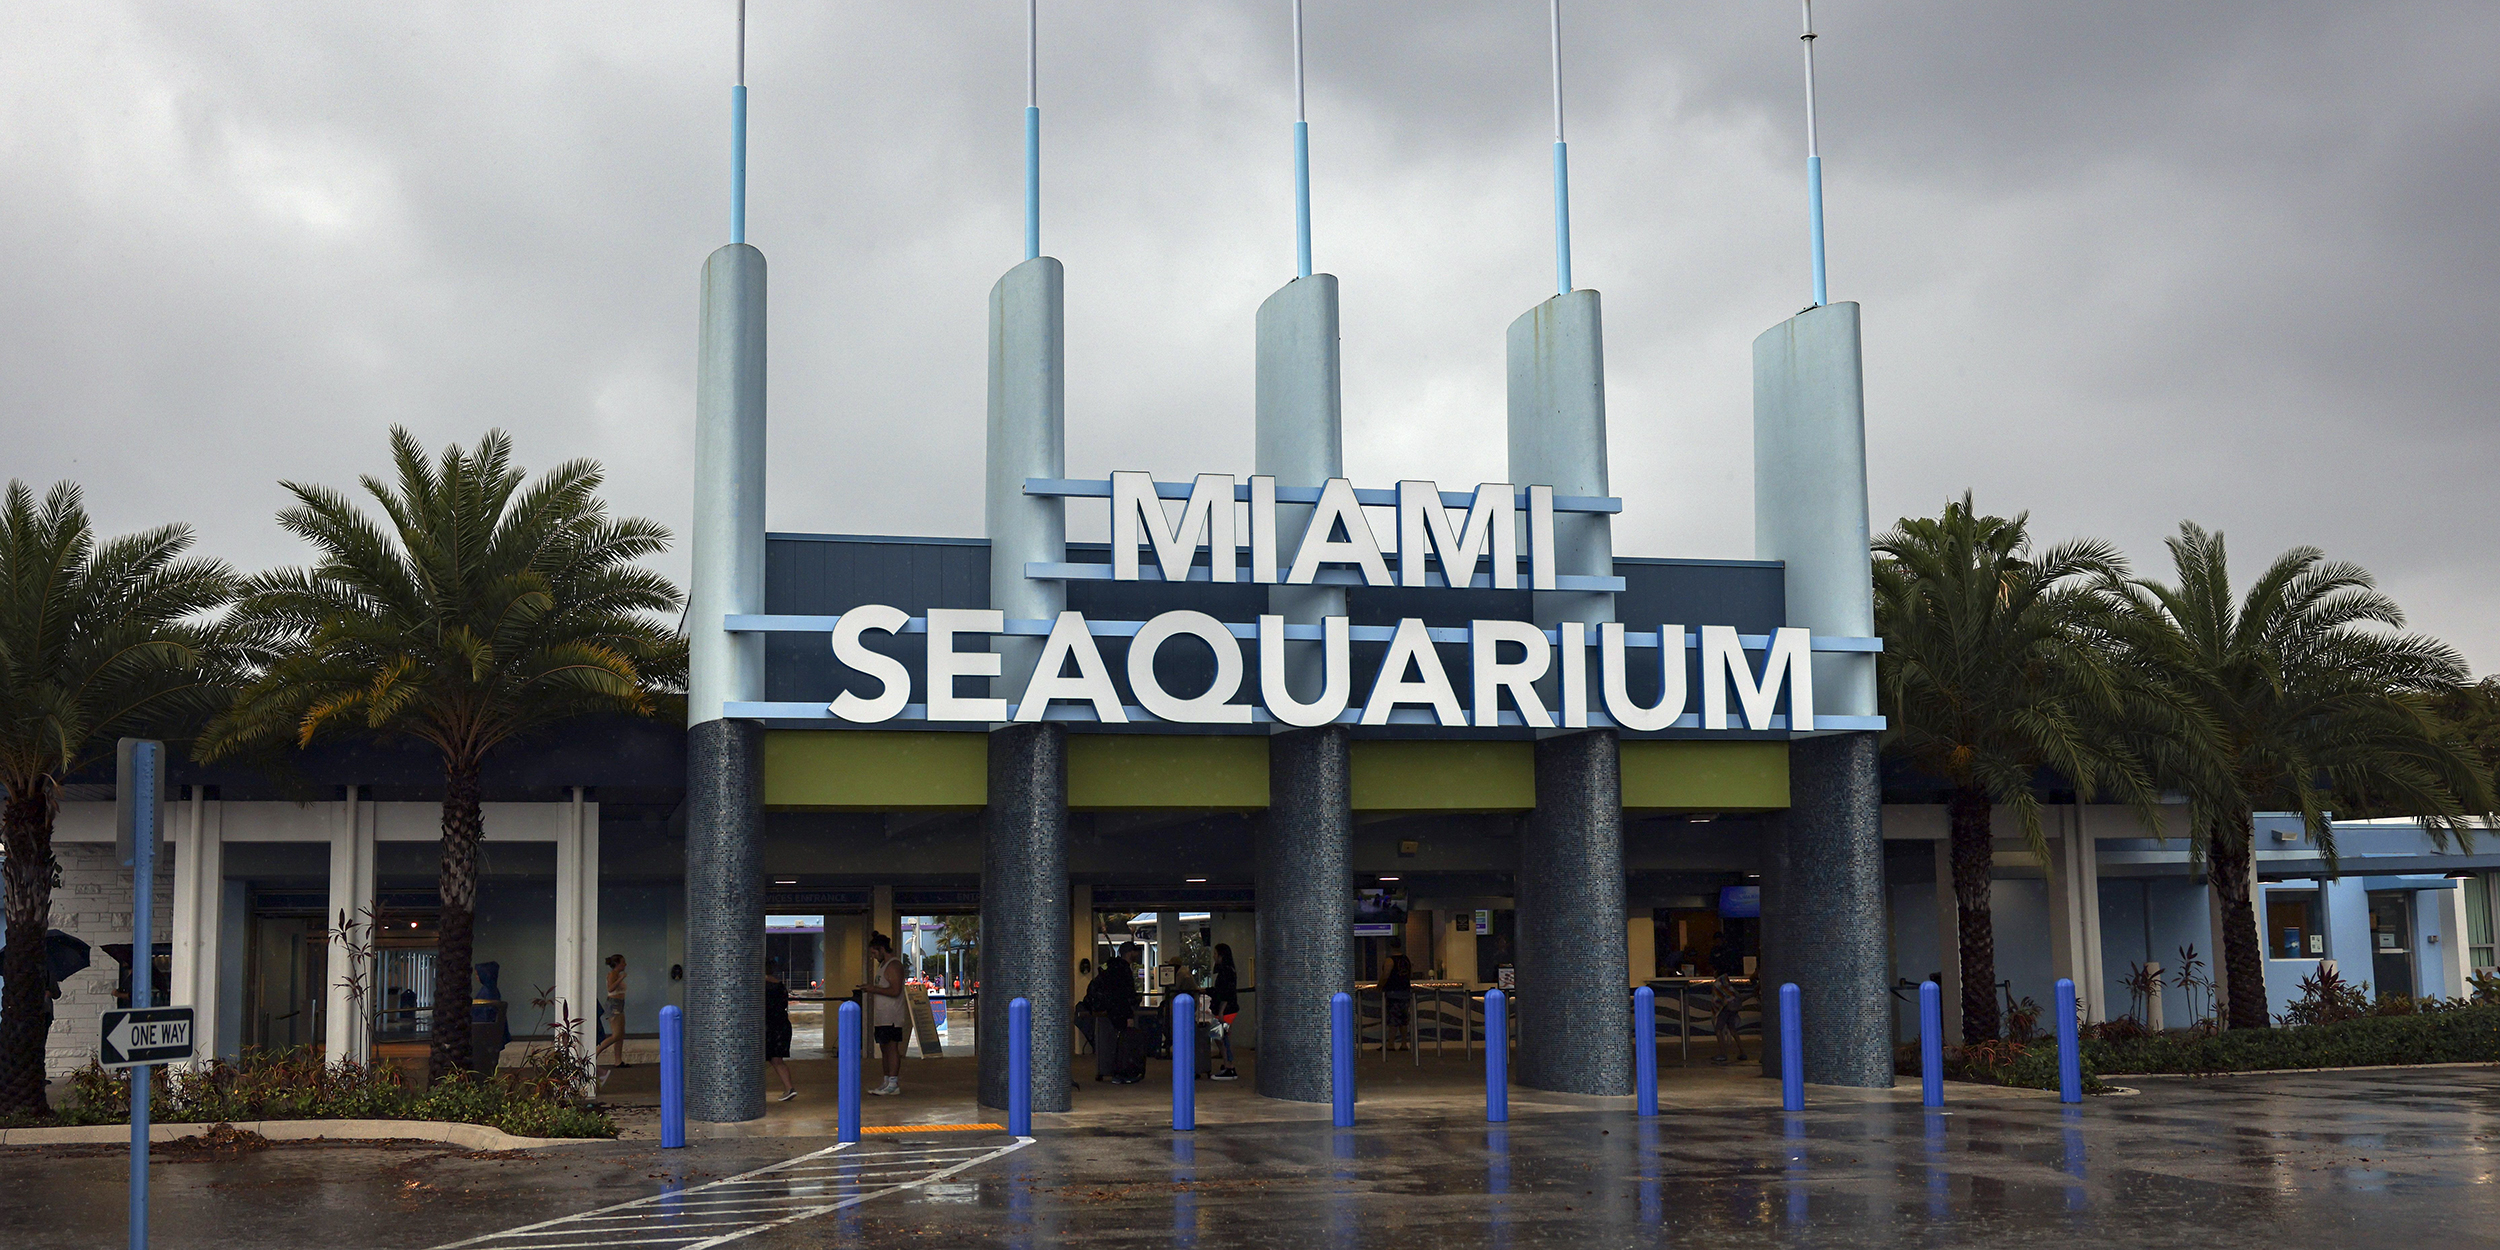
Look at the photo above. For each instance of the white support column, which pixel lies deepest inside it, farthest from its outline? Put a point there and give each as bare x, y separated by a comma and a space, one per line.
344, 1032
1640, 934
881, 915
2088, 906
2068, 955
199, 914
1948, 938
2450, 954
577, 916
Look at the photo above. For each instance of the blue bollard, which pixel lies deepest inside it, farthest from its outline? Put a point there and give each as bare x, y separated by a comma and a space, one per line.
1792, 1049
1645, 1048
1184, 1063
1020, 1067
1931, 1043
846, 1102
672, 1078
1341, 1057
2069, 1051
1496, 1057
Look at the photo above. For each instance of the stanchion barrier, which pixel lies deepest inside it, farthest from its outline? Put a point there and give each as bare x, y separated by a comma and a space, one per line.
1020, 1067
846, 1103
1931, 1043
1645, 1048
1792, 1050
1341, 1056
1496, 1057
672, 1078
2069, 1051
1184, 1063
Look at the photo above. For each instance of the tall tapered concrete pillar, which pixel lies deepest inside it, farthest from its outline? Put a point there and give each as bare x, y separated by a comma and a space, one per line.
1575, 1019
1024, 854
1305, 861
1823, 896
725, 758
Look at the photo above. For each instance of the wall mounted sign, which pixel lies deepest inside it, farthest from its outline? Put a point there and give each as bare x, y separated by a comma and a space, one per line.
1514, 673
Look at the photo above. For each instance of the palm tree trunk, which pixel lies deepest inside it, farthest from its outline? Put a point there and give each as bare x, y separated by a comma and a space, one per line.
463, 826
25, 1007
2243, 964
1974, 871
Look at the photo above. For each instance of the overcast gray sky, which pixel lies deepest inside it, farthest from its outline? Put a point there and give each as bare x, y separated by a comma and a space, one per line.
2122, 263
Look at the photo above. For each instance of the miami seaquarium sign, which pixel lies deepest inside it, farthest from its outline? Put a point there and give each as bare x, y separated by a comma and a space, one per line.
1444, 539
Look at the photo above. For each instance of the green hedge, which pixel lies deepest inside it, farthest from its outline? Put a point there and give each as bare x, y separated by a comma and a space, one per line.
2461, 1035
540, 1099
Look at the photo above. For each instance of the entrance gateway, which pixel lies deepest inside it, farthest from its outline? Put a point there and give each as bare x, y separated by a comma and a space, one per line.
1257, 661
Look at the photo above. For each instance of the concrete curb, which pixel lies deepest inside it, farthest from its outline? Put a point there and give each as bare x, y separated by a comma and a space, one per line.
465, 1136
2359, 1067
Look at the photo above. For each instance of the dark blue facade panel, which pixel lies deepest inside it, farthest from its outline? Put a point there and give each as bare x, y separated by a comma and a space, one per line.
813, 575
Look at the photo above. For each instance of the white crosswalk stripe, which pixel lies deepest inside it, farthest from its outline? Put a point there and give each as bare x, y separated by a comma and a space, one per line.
725, 1210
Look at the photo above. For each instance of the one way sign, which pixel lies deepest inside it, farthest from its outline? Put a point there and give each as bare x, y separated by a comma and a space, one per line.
146, 1035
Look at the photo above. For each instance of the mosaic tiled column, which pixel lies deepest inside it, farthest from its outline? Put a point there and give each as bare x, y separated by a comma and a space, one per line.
1024, 909
1823, 914
724, 921
1575, 1017
1306, 904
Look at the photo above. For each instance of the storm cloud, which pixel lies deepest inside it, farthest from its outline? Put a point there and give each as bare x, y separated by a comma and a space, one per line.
2122, 264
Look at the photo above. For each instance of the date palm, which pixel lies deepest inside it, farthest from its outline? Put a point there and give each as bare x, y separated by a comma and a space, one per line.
2318, 702
98, 640
1992, 672
479, 608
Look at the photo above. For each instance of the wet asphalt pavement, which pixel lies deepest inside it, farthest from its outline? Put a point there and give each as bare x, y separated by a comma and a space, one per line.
2389, 1158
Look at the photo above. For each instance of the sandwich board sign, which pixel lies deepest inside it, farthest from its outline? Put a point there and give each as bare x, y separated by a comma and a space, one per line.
135, 1037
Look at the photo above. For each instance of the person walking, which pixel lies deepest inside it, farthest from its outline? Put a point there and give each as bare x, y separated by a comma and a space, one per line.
888, 1014
777, 1027
1224, 999
1726, 1005
613, 1036
1111, 1004
1397, 1002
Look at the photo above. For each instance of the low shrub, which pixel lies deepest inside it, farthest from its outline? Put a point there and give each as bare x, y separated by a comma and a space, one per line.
2444, 1033
2019, 1064
540, 1099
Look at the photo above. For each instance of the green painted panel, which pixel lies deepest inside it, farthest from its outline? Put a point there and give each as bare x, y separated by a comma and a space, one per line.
1142, 770
874, 771
1685, 775
1394, 776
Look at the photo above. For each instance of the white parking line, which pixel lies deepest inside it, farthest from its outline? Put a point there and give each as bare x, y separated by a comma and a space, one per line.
819, 1183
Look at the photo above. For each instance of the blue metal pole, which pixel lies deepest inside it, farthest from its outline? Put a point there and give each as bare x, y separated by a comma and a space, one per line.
1792, 1049
1931, 1043
1562, 218
1496, 1057
846, 1101
1302, 198
1341, 1057
145, 769
1814, 217
1032, 181
738, 163
2069, 1050
672, 1077
1184, 1063
1020, 1067
1645, 1048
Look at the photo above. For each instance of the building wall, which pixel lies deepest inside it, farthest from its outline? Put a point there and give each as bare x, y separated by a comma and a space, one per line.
93, 904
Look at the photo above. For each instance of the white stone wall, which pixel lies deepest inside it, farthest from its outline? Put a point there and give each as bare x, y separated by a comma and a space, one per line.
92, 903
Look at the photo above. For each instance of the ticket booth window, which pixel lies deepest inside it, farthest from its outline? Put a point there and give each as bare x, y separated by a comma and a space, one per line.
2295, 925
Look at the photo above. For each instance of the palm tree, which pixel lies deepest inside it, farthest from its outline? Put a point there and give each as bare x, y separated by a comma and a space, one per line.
1991, 673
97, 640
2313, 695
479, 610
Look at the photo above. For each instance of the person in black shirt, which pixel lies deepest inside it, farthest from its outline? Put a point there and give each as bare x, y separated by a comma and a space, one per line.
777, 1027
1224, 995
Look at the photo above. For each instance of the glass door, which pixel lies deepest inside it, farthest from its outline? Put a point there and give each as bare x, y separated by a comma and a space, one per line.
2391, 941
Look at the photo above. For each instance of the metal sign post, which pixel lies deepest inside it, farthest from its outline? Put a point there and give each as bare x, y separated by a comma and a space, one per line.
139, 794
